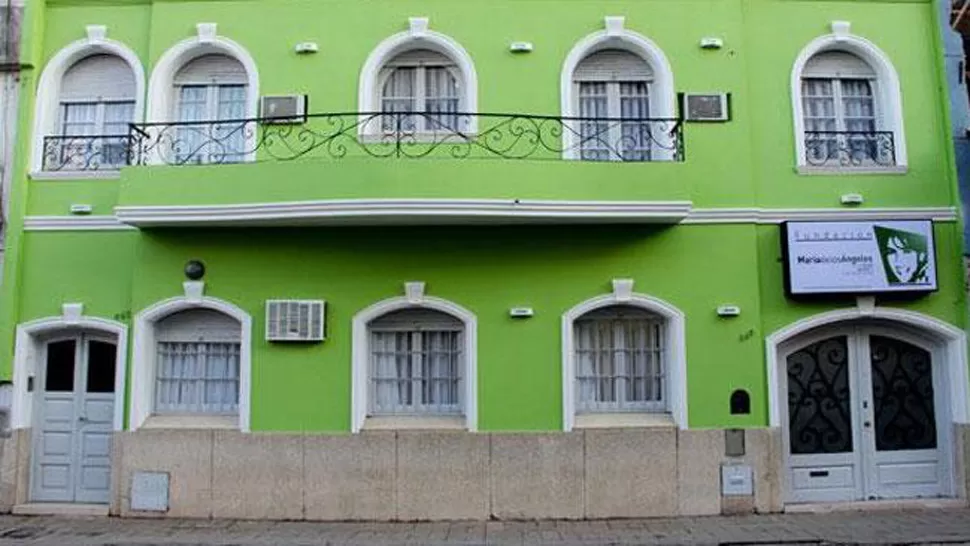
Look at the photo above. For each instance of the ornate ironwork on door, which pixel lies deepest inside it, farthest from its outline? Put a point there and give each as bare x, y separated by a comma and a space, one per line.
902, 391
820, 419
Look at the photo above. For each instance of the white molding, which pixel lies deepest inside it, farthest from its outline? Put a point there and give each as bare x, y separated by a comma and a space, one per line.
74, 223
71, 313
161, 90
952, 339
360, 355
49, 86
888, 93
29, 338
417, 36
414, 291
404, 211
777, 216
143, 355
75, 175
676, 344
663, 98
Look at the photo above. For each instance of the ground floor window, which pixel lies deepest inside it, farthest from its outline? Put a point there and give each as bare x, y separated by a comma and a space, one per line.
416, 363
619, 360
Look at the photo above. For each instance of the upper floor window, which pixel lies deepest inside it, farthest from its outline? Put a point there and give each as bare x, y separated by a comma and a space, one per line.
847, 106
841, 112
422, 90
620, 360
613, 93
416, 363
96, 104
210, 107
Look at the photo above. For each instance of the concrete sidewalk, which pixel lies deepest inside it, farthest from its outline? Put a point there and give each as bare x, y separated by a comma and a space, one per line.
934, 526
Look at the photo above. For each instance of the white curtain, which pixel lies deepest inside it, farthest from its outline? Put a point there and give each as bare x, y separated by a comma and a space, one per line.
398, 97
415, 372
594, 133
820, 116
189, 145
441, 99
230, 138
117, 117
79, 119
634, 104
197, 377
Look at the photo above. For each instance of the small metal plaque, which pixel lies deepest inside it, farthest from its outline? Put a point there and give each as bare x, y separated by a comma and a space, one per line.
149, 491
736, 480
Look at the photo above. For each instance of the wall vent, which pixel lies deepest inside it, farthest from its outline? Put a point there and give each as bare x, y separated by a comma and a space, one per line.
294, 320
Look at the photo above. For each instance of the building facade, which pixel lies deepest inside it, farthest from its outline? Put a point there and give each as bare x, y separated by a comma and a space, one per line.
10, 18
333, 260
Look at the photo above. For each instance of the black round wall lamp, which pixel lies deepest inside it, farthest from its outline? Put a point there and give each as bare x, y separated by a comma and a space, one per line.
194, 270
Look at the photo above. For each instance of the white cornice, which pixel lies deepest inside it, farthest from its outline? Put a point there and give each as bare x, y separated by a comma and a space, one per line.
409, 211
447, 211
74, 223
777, 216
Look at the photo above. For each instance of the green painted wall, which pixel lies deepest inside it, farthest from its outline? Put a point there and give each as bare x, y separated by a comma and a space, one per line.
747, 162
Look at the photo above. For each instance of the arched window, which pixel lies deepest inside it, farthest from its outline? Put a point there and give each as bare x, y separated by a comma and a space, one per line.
620, 361
210, 89
416, 364
197, 363
96, 104
840, 111
847, 106
612, 87
422, 88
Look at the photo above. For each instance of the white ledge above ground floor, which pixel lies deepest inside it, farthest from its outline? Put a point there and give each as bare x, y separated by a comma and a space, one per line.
396, 212
376, 212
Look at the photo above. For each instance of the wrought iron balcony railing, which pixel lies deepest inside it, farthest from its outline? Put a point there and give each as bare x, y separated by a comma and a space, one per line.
842, 149
86, 153
409, 135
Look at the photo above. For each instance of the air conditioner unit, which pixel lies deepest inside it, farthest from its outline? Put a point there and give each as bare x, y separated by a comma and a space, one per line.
283, 109
706, 107
294, 320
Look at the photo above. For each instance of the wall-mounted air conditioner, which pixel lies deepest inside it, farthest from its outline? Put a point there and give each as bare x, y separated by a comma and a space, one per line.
705, 107
283, 109
295, 320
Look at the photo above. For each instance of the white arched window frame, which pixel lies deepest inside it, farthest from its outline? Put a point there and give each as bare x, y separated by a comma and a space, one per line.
662, 97
144, 362
886, 91
162, 96
361, 355
674, 344
373, 74
47, 107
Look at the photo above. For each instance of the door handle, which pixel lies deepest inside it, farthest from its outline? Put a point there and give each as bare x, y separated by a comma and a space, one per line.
82, 419
867, 424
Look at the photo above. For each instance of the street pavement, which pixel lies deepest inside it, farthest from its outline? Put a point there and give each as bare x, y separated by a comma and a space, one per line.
930, 526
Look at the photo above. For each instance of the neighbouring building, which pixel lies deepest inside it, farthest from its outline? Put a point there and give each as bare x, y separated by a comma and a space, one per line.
511, 259
955, 27
11, 13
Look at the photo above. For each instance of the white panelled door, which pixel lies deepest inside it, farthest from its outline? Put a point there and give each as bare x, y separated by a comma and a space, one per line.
866, 417
74, 420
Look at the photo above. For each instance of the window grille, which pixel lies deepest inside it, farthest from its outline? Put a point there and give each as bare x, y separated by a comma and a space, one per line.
620, 361
197, 377
416, 364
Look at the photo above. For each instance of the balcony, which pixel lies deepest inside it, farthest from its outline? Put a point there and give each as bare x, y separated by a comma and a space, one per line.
86, 153
390, 168
407, 135
848, 150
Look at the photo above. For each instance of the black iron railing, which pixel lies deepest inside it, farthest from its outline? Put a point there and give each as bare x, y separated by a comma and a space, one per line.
409, 135
86, 153
850, 149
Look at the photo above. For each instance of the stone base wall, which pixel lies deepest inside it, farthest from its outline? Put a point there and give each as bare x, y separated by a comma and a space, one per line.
412, 475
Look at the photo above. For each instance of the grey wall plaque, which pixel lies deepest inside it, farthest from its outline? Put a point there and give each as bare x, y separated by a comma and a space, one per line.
149, 491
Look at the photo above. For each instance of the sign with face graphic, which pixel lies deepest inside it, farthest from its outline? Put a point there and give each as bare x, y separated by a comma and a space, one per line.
859, 257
